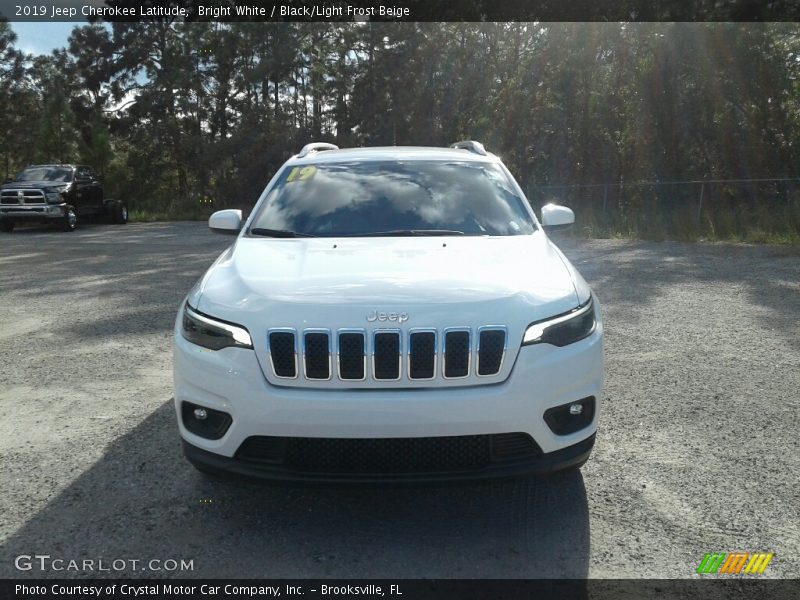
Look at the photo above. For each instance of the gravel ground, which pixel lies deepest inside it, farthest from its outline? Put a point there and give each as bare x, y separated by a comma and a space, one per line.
697, 449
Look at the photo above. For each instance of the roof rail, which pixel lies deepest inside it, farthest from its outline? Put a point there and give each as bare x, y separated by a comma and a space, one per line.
470, 145
316, 147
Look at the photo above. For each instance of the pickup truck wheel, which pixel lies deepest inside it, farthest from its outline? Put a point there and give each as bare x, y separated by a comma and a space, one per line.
70, 220
7, 226
121, 214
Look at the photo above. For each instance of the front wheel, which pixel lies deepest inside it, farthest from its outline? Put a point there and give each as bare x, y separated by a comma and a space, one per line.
7, 226
120, 214
70, 222
116, 212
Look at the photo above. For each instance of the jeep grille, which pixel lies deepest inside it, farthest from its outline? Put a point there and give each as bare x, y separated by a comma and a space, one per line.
418, 354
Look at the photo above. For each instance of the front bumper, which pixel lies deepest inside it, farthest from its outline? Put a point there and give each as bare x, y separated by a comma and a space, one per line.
209, 462
37, 213
543, 376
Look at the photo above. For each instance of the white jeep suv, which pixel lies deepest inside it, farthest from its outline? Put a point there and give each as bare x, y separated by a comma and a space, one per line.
393, 314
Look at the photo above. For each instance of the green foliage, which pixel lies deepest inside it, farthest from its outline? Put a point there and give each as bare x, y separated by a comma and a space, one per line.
18, 103
56, 139
185, 118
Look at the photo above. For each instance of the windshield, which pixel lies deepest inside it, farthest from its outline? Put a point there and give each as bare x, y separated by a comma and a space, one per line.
46, 174
392, 197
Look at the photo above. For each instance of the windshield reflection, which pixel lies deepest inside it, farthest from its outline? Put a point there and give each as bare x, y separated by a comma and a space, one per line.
46, 174
359, 198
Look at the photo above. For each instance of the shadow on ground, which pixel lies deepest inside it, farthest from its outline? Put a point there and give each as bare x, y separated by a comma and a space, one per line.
678, 317
142, 500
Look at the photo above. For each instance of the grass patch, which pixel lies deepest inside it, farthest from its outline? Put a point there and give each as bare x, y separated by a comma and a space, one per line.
778, 224
753, 236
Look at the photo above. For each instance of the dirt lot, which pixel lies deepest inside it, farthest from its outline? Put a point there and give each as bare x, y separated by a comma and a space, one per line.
697, 450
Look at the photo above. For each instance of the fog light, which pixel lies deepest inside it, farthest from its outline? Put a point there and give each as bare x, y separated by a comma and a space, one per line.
206, 422
571, 417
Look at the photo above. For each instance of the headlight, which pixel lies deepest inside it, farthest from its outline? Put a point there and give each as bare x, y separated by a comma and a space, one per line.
56, 194
563, 330
211, 333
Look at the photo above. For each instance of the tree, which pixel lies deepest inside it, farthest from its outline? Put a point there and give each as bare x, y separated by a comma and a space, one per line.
19, 100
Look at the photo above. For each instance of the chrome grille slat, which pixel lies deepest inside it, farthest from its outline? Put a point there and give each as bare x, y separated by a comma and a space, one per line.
317, 354
492, 346
282, 349
457, 352
387, 358
352, 354
415, 355
422, 354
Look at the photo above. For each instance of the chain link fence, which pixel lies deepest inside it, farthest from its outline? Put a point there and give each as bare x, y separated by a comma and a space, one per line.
747, 209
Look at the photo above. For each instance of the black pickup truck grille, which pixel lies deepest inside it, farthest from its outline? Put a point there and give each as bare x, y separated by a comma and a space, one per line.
14, 196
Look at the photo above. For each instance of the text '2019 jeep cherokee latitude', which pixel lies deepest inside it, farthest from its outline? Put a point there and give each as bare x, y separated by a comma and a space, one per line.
389, 314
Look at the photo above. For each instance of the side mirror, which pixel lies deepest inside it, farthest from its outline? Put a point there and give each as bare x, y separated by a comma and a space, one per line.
557, 217
226, 221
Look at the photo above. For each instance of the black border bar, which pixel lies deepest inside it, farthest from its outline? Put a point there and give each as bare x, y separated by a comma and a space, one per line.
733, 588
404, 10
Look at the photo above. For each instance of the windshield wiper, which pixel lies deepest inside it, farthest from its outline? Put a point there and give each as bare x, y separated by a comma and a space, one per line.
410, 232
278, 233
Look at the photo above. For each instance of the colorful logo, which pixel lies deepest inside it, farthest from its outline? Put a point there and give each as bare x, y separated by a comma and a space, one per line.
734, 563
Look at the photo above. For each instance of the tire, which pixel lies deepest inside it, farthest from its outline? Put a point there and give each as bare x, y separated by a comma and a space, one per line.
120, 213
70, 221
116, 212
7, 226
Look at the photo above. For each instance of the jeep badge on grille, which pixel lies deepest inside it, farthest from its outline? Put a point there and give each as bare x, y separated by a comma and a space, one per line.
400, 317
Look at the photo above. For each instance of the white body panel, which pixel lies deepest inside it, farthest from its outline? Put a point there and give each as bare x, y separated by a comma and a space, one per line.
544, 376
335, 283
445, 282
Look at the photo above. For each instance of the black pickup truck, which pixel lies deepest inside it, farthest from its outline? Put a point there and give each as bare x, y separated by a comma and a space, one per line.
59, 194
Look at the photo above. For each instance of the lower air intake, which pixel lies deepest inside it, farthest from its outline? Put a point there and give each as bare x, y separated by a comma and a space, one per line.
388, 455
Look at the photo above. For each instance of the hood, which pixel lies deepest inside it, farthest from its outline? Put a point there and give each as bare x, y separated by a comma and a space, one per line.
34, 185
275, 277
376, 283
